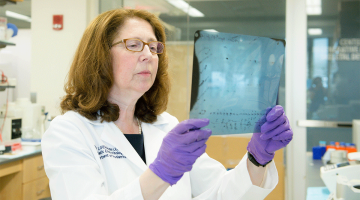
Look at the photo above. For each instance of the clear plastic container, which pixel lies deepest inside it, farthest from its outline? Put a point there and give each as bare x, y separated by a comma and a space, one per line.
32, 120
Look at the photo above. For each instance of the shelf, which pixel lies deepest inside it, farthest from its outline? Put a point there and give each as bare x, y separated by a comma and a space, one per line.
4, 2
4, 43
2, 88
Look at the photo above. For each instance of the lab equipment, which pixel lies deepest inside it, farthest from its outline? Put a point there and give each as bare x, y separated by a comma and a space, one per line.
338, 156
11, 128
356, 133
11, 120
11, 134
347, 188
9, 83
275, 134
32, 118
2, 149
11, 111
12, 30
180, 149
235, 79
351, 170
326, 157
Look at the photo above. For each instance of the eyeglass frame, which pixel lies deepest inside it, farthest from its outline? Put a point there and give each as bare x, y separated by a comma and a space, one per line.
144, 43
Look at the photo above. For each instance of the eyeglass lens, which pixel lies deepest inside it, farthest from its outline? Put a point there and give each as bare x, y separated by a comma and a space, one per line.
137, 45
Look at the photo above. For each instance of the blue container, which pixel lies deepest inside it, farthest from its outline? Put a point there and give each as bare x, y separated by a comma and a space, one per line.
318, 152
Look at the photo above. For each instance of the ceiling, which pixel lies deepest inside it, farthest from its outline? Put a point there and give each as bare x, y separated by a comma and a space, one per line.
248, 17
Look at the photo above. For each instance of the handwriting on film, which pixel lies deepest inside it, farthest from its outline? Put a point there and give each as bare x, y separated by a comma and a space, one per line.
237, 121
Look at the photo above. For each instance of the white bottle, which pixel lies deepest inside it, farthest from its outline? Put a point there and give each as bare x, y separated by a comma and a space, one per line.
31, 126
13, 111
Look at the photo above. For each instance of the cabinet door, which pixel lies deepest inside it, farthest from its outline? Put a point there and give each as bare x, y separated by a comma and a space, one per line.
37, 189
33, 168
11, 186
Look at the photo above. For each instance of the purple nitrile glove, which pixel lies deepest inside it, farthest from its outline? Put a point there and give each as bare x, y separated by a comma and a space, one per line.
275, 134
180, 149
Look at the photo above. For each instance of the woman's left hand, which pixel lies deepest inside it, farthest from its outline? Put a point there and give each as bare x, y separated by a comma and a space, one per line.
275, 134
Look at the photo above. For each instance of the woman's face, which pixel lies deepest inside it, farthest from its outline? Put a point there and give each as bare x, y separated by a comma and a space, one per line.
134, 72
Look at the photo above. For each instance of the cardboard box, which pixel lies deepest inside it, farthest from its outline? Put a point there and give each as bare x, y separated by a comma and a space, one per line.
229, 150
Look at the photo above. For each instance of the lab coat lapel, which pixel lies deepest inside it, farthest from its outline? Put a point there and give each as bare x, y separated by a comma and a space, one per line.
113, 136
153, 137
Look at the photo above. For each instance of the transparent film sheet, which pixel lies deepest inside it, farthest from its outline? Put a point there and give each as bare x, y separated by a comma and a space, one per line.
235, 78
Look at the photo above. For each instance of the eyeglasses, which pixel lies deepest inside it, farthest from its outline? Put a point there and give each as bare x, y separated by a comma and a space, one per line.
138, 45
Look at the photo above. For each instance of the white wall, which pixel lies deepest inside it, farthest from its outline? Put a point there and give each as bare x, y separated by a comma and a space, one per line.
15, 61
52, 51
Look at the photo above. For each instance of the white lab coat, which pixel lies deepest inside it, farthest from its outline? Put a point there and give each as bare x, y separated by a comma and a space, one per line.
71, 148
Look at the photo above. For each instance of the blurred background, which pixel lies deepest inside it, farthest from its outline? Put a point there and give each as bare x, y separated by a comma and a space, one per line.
319, 87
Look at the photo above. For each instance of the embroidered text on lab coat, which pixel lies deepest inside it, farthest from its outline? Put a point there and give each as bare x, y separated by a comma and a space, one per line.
105, 151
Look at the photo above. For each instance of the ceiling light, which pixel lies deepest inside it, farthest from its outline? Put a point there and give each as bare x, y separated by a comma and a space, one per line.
313, 2
211, 30
313, 10
313, 7
314, 31
182, 5
17, 16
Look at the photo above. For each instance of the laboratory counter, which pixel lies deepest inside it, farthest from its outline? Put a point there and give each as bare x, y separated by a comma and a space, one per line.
22, 176
7, 159
316, 189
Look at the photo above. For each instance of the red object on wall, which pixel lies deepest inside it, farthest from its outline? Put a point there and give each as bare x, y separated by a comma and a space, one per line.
58, 22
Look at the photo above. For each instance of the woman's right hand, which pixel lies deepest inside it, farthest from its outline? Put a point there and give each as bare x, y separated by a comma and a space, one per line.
180, 149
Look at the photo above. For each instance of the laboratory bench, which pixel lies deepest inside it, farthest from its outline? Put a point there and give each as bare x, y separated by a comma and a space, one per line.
23, 176
316, 189
313, 178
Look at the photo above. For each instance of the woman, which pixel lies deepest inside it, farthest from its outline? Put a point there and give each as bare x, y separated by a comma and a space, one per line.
114, 140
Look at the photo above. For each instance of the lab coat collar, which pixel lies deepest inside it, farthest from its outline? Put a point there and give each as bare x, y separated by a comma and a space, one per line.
161, 119
113, 136
93, 122
153, 137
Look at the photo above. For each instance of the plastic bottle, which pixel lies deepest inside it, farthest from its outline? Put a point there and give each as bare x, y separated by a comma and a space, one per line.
31, 120
337, 145
12, 110
347, 146
354, 145
350, 147
342, 146
330, 146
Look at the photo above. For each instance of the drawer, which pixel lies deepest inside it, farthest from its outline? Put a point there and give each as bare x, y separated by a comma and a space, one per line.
33, 168
10, 168
37, 189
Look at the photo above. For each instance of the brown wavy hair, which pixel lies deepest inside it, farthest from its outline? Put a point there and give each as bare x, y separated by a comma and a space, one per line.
91, 73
